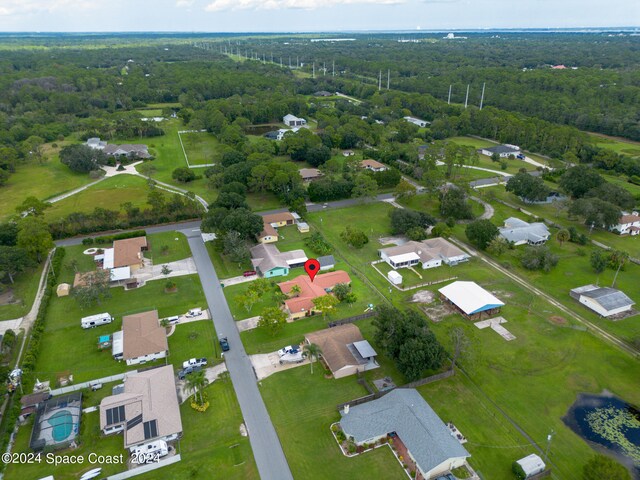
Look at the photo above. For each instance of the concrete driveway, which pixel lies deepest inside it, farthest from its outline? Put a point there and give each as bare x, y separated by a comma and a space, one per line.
266, 364
211, 374
178, 268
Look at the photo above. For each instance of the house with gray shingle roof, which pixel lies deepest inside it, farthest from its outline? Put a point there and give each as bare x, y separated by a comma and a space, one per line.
604, 301
404, 413
427, 253
519, 232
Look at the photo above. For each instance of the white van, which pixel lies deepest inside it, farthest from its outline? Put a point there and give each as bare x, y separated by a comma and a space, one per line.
194, 312
95, 320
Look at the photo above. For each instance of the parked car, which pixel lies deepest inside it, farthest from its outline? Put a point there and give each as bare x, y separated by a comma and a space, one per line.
173, 320
224, 344
292, 357
194, 362
95, 386
194, 312
288, 349
520, 156
249, 273
186, 371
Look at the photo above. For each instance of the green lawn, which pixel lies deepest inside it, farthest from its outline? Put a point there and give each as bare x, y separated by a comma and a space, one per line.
167, 247
193, 339
24, 291
66, 346
303, 407
110, 193
225, 268
40, 181
621, 146
201, 147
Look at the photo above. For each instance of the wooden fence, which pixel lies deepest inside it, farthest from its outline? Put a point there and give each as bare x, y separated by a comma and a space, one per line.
355, 318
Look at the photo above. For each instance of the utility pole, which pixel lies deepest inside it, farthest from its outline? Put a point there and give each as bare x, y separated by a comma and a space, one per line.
289, 62
466, 99
388, 78
297, 62
280, 62
324, 68
482, 97
334, 69
313, 75
449, 100
379, 80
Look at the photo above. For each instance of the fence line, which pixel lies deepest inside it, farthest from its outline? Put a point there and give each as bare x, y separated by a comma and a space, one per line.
185, 152
145, 468
80, 386
426, 284
355, 318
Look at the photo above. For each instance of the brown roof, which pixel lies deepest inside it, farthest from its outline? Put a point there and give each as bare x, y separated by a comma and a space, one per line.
128, 252
629, 218
310, 173
334, 345
143, 335
371, 163
268, 230
278, 217
152, 394
34, 399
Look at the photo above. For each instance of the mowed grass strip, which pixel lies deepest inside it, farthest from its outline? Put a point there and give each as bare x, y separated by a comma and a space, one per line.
165, 247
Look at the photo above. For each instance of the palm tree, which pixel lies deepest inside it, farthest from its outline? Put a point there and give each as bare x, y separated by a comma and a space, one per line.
562, 236
196, 381
295, 291
313, 351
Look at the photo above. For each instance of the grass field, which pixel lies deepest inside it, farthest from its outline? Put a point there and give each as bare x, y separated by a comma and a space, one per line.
24, 292
66, 346
201, 148
167, 247
40, 181
110, 193
618, 145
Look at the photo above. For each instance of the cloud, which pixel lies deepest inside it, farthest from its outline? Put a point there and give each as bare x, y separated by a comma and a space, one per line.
23, 7
220, 5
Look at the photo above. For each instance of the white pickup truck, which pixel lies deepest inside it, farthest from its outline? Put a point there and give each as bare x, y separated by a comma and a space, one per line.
292, 357
194, 362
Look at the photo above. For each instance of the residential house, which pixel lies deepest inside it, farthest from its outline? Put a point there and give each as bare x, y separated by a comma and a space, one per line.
293, 121
301, 304
141, 340
519, 232
147, 408
29, 403
269, 262
279, 219
268, 234
344, 350
604, 301
128, 150
327, 262
373, 165
470, 299
427, 253
310, 174
125, 253
404, 415
323, 93
95, 143
348, 153
503, 151
417, 121
628, 224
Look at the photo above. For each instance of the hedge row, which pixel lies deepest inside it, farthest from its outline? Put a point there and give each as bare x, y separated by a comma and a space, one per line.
111, 238
31, 354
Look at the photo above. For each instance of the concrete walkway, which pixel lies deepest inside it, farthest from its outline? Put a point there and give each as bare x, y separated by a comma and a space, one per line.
211, 374
247, 324
472, 167
128, 169
178, 268
239, 279
10, 325
68, 194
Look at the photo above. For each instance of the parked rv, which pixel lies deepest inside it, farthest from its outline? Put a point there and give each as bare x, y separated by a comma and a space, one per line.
95, 320
150, 452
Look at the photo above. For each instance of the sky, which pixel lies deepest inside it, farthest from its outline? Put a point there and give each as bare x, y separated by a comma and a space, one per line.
309, 15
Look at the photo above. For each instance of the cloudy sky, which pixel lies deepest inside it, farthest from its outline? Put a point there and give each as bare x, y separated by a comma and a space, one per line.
309, 15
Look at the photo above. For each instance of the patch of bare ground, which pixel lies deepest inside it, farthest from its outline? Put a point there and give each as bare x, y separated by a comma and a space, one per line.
558, 320
423, 296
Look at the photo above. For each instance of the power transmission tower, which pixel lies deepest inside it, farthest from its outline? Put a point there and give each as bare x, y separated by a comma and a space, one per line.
380, 80
449, 100
482, 97
466, 99
334, 69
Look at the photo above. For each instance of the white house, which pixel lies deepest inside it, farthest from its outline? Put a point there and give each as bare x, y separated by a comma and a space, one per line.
373, 165
628, 224
293, 121
428, 254
520, 232
503, 151
417, 121
604, 301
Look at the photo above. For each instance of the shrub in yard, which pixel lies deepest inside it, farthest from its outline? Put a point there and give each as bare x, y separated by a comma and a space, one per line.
351, 448
518, 471
87, 241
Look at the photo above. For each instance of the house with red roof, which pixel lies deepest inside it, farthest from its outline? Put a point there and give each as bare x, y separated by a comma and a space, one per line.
300, 304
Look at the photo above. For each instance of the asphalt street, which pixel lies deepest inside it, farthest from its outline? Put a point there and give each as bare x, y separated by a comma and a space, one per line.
267, 450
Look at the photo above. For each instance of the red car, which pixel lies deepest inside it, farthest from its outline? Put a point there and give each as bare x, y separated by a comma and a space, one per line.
249, 273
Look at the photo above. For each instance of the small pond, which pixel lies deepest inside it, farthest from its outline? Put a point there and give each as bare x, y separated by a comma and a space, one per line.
608, 424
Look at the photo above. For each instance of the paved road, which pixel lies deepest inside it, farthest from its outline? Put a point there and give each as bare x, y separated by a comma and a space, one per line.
267, 451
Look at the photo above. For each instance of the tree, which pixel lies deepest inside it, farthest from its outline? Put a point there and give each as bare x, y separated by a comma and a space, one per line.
481, 232
81, 158
183, 175
94, 290
416, 234
32, 206
577, 181
497, 246
364, 186
230, 201
247, 300
614, 194
598, 260
317, 156
538, 258
354, 237
13, 260
441, 229
34, 237
527, 187
317, 244
241, 220
166, 270
341, 290
295, 291
235, 247
420, 353
601, 467
403, 220
404, 190
272, 319
313, 351
196, 381
454, 204
595, 211
563, 235
325, 303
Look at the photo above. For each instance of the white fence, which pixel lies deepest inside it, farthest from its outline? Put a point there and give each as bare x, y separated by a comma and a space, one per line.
145, 468
80, 386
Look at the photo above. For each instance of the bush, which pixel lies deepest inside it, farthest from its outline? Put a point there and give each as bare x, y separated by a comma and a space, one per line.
120, 236
87, 241
183, 174
518, 471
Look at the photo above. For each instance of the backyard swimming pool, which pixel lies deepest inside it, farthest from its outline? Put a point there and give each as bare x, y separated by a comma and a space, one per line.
62, 425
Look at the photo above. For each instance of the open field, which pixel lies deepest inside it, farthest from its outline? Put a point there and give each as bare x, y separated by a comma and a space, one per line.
201, 147
618, 145
167, 247
66, 346
24, 292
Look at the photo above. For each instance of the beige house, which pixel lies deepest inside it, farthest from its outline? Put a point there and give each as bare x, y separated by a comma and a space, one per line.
279, 219
146, 409
142, 339
126, 253
310, 174
344, 350
373, 165
268, 234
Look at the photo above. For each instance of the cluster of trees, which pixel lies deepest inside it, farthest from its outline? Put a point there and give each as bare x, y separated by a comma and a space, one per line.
82, 159
538, 258
255, 292
405, 337
410, 223
528, 187
230, 213
454, 204
481, 233
23, 244
614, 259
354, 237
317, 244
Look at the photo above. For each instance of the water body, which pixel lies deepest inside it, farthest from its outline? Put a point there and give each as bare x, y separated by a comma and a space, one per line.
609, 425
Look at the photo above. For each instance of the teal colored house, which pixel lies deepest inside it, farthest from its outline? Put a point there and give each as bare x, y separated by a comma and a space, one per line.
269, 262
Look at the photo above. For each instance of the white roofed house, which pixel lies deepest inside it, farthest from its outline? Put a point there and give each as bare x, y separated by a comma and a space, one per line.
429, 253
519, 232
417, 121
628, 224
293, 121
605, 301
